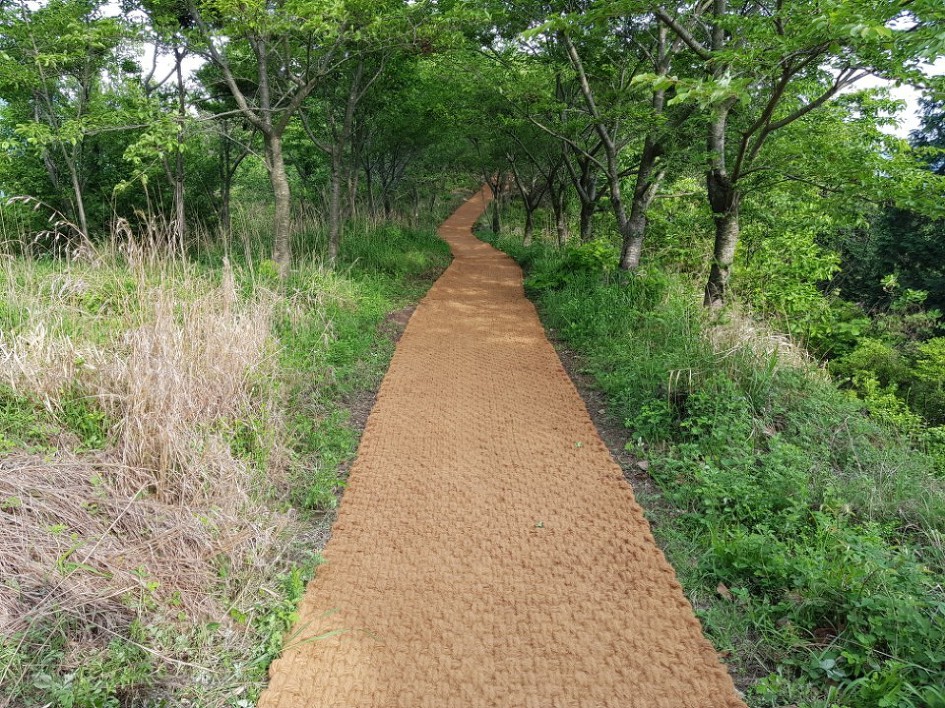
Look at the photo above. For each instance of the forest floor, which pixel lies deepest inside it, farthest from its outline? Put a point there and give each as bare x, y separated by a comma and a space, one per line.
489, 550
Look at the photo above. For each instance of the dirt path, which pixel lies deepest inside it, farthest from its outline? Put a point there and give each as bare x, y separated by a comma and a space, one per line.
488, 551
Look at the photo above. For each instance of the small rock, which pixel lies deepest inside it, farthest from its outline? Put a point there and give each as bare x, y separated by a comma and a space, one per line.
643, 465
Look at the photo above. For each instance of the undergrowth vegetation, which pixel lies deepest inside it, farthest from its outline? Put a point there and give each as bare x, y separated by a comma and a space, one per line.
804, 524
173, 431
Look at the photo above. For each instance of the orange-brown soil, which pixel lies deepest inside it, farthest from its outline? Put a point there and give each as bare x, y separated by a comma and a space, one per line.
488, 551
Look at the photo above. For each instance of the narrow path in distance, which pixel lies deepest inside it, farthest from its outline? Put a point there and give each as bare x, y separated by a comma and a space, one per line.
488, 551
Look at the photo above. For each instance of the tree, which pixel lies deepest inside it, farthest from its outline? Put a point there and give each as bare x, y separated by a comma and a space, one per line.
618, 40
335, 108
930, 135
770, 65
54, 60
272, 56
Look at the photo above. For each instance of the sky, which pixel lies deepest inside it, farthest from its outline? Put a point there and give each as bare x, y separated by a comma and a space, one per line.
909, 116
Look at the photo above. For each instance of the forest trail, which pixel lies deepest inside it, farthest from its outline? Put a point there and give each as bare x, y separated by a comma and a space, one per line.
488, 551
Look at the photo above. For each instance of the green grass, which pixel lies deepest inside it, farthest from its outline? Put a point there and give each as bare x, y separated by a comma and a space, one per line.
806, 533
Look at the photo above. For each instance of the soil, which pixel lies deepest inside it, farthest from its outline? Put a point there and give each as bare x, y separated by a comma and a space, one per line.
488, 550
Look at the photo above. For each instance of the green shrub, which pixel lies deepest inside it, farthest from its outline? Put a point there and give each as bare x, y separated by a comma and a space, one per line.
929, 393
871, 357
577, 261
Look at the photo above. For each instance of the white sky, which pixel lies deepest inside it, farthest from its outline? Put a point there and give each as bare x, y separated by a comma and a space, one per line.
909, 116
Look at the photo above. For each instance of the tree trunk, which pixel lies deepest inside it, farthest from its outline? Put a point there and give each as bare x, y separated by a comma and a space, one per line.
334, 207
632, 246
647, 183
353, 193
628, 259
281, 239
416, 206
226, 190
724, 201
587, 221
79, 200
559, 205
529, 225
369, 190
726, 241
180, 212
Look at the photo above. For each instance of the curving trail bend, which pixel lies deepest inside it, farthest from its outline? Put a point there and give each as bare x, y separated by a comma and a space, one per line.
488, 551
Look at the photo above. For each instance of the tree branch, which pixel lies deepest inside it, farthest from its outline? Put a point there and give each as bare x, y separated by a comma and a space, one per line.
684, 34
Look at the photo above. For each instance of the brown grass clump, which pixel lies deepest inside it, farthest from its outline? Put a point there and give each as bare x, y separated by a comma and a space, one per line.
738, 332
166, 516
74, 544
189, 367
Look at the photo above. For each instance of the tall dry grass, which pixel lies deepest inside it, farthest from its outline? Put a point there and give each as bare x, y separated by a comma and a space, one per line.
176, 358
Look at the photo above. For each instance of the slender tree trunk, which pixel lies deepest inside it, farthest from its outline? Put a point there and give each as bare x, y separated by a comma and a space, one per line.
416, 205
226, 190
281, 238
585, 186
529, 224
629, 260
726, 241
647, 184
723, 194
724, 201
52, 170
369, 189
180, 212
334, 207
388, 204
587, 221
353, 179
496, 216
79, 199
559, 204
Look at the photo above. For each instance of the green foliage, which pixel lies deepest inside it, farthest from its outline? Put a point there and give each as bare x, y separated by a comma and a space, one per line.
929, 394
83, 416
22, 424
578, 261
395, 251
107, 678
276, 615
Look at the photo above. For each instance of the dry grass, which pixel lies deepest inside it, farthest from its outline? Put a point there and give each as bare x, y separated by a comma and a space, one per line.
98, 540
736, 332
188, 366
